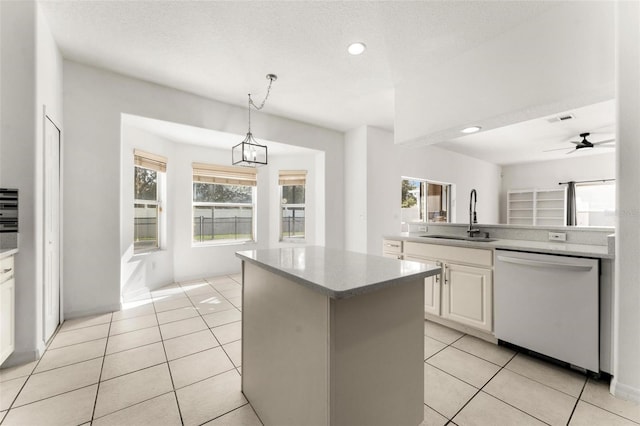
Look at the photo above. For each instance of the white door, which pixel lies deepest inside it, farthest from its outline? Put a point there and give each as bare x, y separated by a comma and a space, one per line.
467, 296
51, 228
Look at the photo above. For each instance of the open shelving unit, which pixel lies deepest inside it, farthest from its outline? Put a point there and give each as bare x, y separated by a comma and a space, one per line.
536, 207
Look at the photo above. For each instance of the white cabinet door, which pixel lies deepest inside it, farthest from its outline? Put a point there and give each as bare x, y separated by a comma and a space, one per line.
431, 287
7, 314
467, 296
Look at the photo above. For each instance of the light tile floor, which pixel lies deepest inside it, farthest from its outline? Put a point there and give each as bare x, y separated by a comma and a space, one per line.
173, 357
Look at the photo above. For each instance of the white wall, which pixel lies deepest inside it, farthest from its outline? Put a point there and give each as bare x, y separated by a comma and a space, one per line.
355, 189
313, 163
32, 79
149, 270
388, 162
94, 101
548, 174
536, 69
626, 365
178, 259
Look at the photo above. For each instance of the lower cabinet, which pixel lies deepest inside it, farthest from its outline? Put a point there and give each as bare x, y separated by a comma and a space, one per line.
463, 292
392, 249
468, 295
7, 308
431, 286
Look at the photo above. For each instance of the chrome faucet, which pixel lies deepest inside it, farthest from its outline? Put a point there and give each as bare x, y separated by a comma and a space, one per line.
473, 219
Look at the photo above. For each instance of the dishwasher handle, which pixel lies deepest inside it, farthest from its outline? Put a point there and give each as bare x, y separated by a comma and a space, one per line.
544, 264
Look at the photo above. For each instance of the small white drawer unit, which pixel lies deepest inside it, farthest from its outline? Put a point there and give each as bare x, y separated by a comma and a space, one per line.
7, 308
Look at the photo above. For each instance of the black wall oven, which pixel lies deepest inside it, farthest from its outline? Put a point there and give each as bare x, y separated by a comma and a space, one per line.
8, 210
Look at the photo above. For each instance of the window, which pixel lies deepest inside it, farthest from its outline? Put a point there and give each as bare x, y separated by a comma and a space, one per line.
425, 201
292, 204
148, 171
596, 204
223, 204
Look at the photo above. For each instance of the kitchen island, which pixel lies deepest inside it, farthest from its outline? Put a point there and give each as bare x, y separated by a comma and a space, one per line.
331, 337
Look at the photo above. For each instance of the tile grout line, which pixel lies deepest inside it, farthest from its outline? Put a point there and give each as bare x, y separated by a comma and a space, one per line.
173, 385
501, 366
107, 337
501, 400
483, 386
30, 374
610, 412
225, 413
211, 328
52, 396
106, 344
584, 385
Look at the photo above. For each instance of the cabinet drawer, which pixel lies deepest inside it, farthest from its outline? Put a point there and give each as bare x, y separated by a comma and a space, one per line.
465, 255
6, 268
392, 246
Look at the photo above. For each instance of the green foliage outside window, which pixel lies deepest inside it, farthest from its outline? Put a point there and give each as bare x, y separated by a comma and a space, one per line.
408, 199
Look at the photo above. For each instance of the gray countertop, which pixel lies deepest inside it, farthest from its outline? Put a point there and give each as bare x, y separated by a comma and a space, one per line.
337, 273
560, 248
7, 252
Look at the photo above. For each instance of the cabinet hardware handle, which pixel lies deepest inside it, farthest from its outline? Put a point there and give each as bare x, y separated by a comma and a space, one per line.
542, 264
446, 271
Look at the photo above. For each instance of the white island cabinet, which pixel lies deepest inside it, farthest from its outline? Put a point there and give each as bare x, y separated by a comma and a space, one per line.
331, 337
7, 306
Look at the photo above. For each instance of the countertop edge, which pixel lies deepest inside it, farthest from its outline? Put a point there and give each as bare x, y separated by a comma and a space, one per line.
7, 252
335, 294
517, 245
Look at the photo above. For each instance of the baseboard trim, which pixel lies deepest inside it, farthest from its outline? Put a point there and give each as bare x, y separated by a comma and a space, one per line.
620, 390
97, 311
20, 358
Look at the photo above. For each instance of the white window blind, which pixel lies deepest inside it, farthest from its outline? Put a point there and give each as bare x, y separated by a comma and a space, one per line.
211, 173
292, 177
150, 161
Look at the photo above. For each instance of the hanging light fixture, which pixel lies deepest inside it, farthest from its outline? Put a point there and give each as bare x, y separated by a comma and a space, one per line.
249, 153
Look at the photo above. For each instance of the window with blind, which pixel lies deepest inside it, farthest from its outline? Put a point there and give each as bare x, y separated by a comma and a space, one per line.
149, 170
292, 204
223, 204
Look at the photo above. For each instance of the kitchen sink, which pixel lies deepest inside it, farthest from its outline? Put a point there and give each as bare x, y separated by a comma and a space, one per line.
460, 238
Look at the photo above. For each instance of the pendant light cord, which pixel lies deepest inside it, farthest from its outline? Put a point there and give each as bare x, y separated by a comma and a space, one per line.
272, 78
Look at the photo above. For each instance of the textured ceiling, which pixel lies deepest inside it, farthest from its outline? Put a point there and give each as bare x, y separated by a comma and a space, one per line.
224, 49
530, 141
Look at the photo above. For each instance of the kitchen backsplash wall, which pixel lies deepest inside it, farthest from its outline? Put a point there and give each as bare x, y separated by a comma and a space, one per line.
593, 236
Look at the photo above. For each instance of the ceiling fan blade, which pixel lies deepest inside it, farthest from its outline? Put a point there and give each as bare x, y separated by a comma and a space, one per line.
572, 151
555, 149
604, 142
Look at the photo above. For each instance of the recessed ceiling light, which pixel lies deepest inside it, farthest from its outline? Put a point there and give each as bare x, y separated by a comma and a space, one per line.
471, 129
357, 48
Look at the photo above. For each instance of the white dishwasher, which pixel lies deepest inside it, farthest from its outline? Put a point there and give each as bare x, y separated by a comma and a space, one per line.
548, 304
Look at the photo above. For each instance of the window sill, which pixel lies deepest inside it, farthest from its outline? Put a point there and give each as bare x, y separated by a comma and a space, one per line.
147, 252
223, 243
293, 241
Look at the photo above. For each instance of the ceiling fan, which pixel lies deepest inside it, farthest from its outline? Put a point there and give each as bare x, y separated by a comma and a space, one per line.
584, 143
